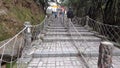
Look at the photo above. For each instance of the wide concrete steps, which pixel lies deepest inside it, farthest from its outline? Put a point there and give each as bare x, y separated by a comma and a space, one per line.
58, 25
67, 38
68, 34
56, 62
58, 46
93, 52
91, 49
56, 49
62, 27
65, 30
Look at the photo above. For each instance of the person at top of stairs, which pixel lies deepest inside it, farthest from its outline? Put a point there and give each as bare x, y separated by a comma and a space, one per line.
70, 14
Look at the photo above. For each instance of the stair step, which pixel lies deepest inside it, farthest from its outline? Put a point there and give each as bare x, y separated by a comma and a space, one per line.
65, 30
56, 49
67, 34
37, 55
25, 59
65, 38
94, 52
56, 27
57, 30
57, 62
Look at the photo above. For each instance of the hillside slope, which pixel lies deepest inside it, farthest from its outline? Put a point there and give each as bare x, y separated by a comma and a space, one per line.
13, 14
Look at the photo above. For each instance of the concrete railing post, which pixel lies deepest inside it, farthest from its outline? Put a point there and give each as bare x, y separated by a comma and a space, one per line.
46, 22
63, 19
105, 55
0, 63
28, 34
87, 21
68, 24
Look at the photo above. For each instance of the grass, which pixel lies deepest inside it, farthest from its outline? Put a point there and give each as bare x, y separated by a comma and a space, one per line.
24, 14
7, 1
13, 65
3, 33
20, 14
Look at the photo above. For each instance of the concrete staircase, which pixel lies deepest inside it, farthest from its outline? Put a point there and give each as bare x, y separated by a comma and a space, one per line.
59, 51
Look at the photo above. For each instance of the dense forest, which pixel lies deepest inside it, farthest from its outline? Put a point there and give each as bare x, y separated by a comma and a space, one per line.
106, 11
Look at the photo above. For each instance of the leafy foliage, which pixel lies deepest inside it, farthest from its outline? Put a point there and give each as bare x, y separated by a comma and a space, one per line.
107, 11
16, 13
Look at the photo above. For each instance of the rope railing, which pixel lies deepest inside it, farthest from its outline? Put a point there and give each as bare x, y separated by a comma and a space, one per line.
71, 29
14, 50
11, 50
106, 32
37, 29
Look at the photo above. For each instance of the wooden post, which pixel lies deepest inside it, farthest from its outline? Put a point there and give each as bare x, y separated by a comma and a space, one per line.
105, 55
28, 34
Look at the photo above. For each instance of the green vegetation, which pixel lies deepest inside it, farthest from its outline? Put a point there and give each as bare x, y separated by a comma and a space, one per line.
7, 1
106, 11
3, 33
24, 14
13, 65
17, 12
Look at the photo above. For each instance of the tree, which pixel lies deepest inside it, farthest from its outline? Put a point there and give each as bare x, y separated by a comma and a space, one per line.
106, 11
